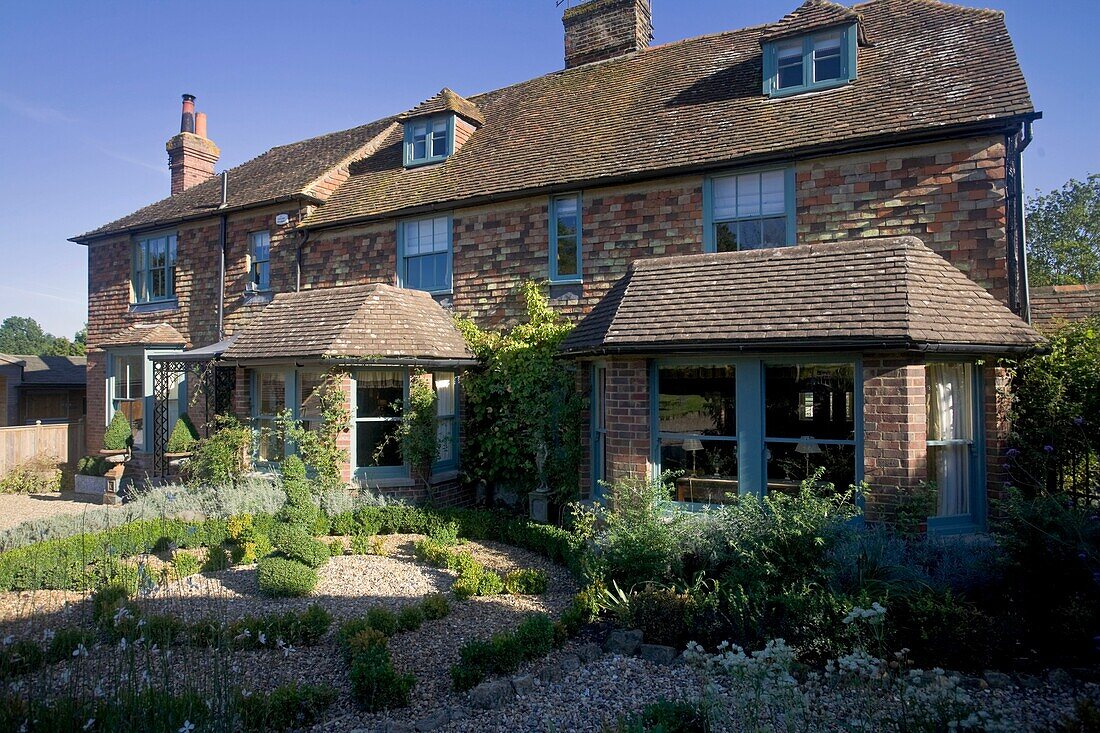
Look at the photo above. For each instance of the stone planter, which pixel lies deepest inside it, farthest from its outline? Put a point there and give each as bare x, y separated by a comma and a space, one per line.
176, 460
94, 485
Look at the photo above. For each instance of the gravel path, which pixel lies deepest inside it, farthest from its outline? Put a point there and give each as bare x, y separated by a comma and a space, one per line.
18, 508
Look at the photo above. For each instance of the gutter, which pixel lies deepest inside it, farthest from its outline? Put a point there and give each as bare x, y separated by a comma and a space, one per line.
789, 155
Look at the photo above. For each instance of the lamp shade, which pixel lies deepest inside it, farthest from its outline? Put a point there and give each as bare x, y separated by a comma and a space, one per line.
807, 445
691, 445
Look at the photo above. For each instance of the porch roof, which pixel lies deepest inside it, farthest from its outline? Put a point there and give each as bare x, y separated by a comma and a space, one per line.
375, 323
869, 294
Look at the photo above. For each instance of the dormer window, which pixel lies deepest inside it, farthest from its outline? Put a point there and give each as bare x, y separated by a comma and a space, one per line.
810, 62
429, 139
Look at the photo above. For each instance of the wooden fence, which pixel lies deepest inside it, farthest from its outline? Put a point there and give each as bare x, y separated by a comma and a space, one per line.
60, 443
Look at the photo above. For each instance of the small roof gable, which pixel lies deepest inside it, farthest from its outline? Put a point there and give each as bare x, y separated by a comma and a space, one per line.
146, 334
872, 294
357, 322
50, 371
812, 15
1056, 305
446, 101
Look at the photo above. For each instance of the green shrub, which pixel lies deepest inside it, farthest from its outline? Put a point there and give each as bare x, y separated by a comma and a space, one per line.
184, 436
279, 576
363, 544
383, 620
666, 716
305, 629
662, 615
526, 582
535, 636
344, 524
584, 608
335, 549
299, 508
39, 475
295, 543
65, 641
119, 434
162, 630
20, 657
217, 558
221, 458
185, 564
445, 534
288, 707
107, 601
148, 711
374, 683
92, 466
410, 618
941, 629
435, 606
355, 635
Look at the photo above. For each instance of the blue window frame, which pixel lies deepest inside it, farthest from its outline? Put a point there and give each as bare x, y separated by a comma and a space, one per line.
273, 390
956, 446
130, 389
153, 268
752, 209
746, 425
424, 254
259, 266
565, 238
806, 63
446, 393
428, 139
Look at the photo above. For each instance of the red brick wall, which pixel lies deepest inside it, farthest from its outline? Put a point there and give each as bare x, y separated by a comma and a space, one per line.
949, 194
628, 437
894, 430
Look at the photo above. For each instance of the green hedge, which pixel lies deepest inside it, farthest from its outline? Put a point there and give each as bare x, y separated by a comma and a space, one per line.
504, 652
297, 544
89, 560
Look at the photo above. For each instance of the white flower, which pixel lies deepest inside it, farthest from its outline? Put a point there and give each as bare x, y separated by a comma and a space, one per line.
81, 650
187, 727
262, 638
48, 635
121, 615
8, 640
89, 723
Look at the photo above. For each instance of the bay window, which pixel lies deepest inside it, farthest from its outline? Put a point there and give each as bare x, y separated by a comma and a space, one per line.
380, 396
128, 392
270, 400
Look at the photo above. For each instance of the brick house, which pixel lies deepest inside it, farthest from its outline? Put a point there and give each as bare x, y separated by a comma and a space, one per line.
851, 175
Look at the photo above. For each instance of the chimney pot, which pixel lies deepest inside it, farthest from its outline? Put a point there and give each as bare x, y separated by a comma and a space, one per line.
187, 119
200, 124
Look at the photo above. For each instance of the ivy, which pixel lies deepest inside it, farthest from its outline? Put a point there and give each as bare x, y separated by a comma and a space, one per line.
418, 430
523, 412
318, 445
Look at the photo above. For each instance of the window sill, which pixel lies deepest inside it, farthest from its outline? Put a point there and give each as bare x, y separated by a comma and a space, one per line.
259, 297
449, 474
566, 280
385, 483
797, 91
409, 164
156, 306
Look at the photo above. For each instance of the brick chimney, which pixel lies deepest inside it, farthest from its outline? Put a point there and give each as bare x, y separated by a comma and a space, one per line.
603, 29
191, 156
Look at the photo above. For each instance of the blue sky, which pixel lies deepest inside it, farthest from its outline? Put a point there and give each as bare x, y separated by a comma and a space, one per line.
89, 93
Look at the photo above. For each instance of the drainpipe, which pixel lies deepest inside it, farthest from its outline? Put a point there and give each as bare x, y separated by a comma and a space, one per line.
222, 239
1025, 294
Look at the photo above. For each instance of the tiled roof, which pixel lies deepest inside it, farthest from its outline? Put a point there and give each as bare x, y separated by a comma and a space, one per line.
446, 101
50, 371
698, 103
887, 293
1055, 305
279, 174
359, 322
811, 15
146, 334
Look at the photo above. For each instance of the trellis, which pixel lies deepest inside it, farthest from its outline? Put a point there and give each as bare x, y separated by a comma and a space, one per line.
207, 380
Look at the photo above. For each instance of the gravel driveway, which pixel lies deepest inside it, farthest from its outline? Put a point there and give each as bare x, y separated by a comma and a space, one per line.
18, 508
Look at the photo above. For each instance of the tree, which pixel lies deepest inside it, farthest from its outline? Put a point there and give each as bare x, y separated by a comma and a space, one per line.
1063, 231
20, 335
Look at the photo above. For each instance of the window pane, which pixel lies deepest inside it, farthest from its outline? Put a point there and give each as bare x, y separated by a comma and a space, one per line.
697, 399
827, 59
790, 65
439, 142
379, 393
269, 447
158, 284
440, 232
949, 470
310, 386
829, 387
748, 234
134, 410
725, 237
566, 264
789, 464
172, 250
272, 397
748, 195
708, 468
129, 377
445, 438
773, 193
949, 402
428, 272
262, 276
774, 232
444, 393
724, 193
376, 444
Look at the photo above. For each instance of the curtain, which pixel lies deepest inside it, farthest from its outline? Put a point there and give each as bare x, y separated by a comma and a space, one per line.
950, 436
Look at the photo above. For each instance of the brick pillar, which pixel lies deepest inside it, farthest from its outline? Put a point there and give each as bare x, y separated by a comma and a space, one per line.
996, 403
628, 448
894, 431
96, 423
